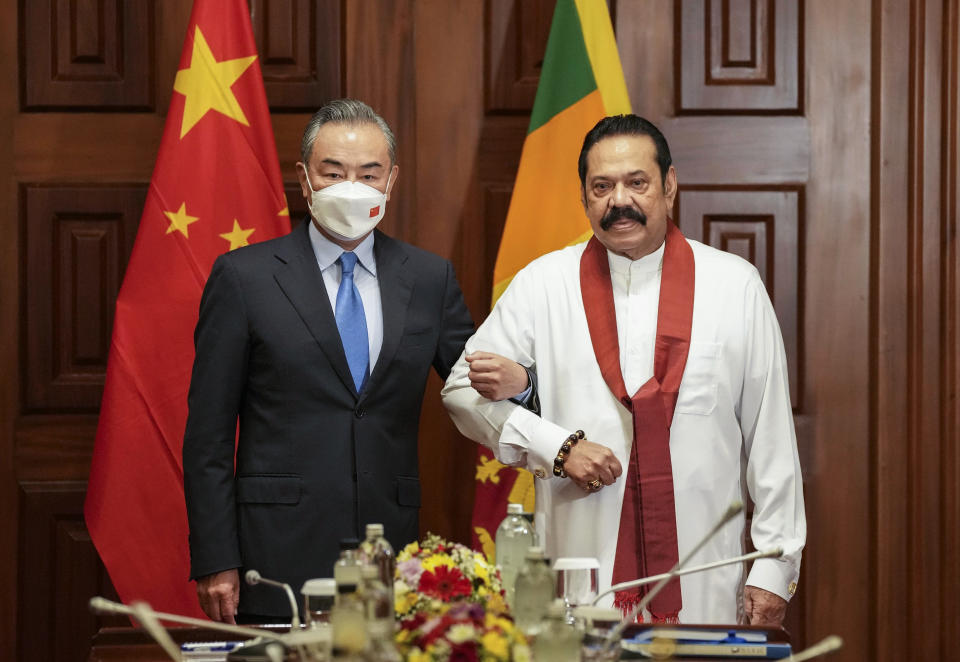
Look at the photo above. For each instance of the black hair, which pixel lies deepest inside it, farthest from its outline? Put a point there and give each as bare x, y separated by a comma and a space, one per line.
625, 125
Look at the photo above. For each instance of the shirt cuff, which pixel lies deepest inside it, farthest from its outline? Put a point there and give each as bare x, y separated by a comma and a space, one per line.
526, 433
774, 575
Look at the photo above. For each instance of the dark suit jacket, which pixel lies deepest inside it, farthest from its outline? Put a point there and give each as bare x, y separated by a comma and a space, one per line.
315, 460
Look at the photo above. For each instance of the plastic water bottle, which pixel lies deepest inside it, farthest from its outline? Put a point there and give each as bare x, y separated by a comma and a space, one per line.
514, 538
557, 641
535, 589
377, 551
378, 602
348, 616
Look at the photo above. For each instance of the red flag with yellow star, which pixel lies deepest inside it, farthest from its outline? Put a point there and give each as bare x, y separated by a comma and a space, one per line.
216, 186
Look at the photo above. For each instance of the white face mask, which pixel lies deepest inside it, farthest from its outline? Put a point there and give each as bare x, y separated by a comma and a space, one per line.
348, 210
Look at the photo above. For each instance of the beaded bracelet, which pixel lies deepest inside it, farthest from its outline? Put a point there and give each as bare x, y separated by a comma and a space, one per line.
569, 443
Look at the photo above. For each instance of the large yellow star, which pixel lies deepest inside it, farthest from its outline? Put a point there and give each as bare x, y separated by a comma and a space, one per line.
238, 236
206, 85
179, 220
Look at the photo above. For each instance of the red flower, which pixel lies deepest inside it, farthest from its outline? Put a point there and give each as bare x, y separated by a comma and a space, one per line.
444, 583
464, 652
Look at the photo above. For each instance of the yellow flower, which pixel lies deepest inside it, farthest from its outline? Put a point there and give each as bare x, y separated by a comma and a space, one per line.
409, 551
417, 655
495, 604
404, 603
436, 561
481, 570
496, 644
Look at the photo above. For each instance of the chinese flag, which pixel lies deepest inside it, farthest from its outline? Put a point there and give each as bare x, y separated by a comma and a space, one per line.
216, 186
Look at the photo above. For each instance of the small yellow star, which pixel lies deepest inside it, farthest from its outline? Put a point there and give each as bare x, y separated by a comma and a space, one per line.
238, 236
206, 85
284, 212
179, 220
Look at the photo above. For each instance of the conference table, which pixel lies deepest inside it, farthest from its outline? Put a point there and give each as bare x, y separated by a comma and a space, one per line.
129, 644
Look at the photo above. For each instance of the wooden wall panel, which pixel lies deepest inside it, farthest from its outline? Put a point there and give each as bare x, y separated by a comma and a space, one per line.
78, 240
60, 571
301, 48
381, 72
87, 54
764, 227
516, 38
913, 336
739, 56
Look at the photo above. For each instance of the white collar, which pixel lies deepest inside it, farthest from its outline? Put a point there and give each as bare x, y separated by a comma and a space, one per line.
646, 264
328, 252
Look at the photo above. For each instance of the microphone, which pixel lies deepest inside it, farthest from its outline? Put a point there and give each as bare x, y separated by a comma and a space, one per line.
732, 511
828, 645
253, 578
775, 552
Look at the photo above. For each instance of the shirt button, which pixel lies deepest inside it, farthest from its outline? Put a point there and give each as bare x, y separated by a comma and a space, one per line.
360, 412
540, 473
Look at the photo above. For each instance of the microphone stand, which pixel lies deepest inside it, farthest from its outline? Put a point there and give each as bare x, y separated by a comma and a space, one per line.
253, 578
732, 511
828, 645
775, 552
100, 605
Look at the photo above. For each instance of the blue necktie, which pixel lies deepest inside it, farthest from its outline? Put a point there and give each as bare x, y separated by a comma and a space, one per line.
351, 321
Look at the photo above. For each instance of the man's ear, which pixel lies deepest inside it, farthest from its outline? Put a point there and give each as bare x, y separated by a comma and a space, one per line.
394, 173
583, 196
670, 187
302, 178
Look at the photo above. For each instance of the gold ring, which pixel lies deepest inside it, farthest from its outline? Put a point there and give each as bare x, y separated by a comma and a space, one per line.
595, 484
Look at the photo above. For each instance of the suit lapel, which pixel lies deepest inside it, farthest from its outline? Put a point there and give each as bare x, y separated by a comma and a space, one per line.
302, 283
396, 287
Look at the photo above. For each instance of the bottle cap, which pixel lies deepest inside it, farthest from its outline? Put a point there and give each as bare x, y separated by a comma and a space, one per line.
576, 563
535, 553
349, 543
515, 509
374, 530
319, 587
557, 609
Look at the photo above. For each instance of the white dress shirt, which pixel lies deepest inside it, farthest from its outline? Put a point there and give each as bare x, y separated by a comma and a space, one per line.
732, 430
365, 279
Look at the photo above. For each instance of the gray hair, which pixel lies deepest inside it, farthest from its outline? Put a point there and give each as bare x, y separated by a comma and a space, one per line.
347, 111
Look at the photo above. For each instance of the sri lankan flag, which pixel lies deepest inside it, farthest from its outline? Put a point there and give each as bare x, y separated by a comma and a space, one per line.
580, 83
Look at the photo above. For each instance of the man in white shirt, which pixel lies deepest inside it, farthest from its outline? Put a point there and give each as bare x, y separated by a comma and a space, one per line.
667, 355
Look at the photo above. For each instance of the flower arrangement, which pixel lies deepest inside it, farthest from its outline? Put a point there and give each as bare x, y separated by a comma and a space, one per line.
449, 600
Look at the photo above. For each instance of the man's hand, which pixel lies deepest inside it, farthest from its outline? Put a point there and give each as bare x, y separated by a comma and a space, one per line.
219, 595
763, 607
588, 461
496, 377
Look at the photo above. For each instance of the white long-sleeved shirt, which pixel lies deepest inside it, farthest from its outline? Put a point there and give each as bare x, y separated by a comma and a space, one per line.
732, 430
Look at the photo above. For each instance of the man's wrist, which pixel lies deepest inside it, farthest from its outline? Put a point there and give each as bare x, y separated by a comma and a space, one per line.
564, 452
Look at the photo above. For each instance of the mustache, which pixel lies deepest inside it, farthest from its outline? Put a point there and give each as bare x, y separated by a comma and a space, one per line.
617, 213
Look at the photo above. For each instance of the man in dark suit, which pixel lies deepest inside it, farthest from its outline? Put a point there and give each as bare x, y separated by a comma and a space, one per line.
319, 343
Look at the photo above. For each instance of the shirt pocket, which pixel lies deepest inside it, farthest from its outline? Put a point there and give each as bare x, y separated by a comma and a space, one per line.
698, 389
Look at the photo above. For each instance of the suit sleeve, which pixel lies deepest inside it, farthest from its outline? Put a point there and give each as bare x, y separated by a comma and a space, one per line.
773, 466
456, 325
216, 389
